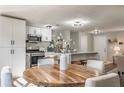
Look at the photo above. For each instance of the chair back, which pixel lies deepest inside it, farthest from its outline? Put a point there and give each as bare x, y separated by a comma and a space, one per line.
108, 80
120, 63
6, 77
97, 64
46, 61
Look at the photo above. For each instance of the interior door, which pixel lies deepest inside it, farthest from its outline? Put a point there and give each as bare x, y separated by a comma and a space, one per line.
83, 39
18, 61
100, 46
5, 32
5, 57
19, 33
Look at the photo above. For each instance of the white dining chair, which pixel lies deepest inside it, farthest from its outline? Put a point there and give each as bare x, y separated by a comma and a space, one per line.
6, 77
108, 80
97, 64
46, 61
8, 81
120, 64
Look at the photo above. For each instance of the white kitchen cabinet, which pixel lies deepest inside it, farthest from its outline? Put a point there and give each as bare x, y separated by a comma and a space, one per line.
18, 61
38, 33
6, 27
15, 58
5, 57
31, 30
19, 33
34, 31
12, 44
46, 34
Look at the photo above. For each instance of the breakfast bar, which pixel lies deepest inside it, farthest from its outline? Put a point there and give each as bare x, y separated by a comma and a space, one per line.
76, 56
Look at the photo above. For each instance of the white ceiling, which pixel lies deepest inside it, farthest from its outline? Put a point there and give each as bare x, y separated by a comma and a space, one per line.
107, 18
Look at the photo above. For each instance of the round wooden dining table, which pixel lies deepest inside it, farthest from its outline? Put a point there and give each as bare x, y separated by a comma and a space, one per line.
52, 76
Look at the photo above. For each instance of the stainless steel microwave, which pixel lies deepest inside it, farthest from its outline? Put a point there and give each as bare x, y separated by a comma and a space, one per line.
33, 38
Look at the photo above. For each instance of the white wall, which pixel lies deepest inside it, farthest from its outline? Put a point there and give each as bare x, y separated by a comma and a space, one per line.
119, 35
120, 38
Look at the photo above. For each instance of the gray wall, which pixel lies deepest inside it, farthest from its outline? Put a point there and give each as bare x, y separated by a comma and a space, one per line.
83, 41
75, 38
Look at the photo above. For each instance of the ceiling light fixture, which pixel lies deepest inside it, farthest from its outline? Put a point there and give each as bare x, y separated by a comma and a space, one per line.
76, 23
96, 31
48, 26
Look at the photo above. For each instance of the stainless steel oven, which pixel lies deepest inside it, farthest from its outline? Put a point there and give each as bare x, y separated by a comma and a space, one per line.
32, 58
35, 57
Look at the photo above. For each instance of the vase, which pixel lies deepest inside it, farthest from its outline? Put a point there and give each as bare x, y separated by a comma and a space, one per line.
63, 62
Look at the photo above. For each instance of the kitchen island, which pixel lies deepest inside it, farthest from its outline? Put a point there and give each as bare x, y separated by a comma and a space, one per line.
84, 55
76, 56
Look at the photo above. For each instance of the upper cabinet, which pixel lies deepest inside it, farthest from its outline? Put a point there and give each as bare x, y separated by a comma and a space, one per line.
6, 29
45, 34
34, 31
19, 33
12, 32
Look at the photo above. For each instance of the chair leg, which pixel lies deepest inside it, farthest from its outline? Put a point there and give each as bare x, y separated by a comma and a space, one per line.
122, 73
119, 74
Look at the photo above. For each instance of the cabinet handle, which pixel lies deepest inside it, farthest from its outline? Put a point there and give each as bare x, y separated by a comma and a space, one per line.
11, 42
11, 51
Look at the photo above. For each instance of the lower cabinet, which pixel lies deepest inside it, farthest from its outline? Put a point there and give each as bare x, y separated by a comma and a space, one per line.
18, 61
15, 58
5, 57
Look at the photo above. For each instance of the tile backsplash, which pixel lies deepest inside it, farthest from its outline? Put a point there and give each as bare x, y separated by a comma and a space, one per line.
37, 45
